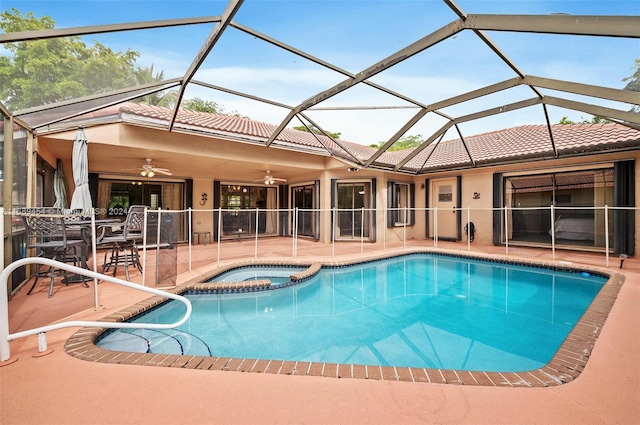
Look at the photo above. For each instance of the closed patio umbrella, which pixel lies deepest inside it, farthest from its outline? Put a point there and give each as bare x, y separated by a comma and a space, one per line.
59, 189
81, 199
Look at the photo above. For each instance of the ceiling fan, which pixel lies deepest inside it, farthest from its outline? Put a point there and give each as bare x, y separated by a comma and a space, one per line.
269, 179
149, 170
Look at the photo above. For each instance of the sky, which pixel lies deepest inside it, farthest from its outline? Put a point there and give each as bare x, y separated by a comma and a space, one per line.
354, 35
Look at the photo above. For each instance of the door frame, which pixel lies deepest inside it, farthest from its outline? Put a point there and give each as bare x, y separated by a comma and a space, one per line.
315, 202
430, 185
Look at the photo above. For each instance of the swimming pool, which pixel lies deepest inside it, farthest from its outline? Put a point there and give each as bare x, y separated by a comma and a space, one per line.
419, 311
275, 274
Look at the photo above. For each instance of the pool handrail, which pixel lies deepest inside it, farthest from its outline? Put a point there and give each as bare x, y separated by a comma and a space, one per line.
5, 336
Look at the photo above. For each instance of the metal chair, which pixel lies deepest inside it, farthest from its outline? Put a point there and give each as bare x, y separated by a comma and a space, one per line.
46, 233
122, 249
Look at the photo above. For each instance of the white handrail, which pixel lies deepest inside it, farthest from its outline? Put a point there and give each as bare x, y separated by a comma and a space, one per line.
5, 336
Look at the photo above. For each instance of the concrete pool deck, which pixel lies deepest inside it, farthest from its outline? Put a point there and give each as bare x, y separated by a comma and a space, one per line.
60, 389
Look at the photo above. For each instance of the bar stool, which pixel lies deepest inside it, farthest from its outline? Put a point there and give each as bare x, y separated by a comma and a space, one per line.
122, 246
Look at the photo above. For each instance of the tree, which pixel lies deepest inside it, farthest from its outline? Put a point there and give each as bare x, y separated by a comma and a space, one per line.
200, 105
593, 120
633, 84
160, 98
633, 80
315, 130
46, 71
405, 142
565, 120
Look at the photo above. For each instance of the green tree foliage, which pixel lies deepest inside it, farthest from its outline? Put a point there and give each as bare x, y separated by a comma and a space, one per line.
405, 142
565, 120
46, 71
315, 130
200, 105
160, 98
633, 81
593, 120
633, 84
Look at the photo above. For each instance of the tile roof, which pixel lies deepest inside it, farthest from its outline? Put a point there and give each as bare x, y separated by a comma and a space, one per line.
519, 143
525, 143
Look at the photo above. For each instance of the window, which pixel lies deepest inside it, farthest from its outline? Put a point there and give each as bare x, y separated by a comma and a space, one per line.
400, 204
445, 194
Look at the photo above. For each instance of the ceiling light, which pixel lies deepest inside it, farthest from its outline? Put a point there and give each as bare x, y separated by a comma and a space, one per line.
151, 173
143, 173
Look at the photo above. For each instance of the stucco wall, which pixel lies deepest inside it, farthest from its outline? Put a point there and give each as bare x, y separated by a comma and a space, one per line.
115, 147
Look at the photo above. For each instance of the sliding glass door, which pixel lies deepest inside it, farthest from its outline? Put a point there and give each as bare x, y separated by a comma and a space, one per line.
352, 222
244, 202
303, 197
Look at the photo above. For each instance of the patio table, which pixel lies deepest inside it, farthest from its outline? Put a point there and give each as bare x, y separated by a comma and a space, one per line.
84, 226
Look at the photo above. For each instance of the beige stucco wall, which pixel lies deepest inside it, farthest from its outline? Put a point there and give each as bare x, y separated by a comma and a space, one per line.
481, 180
202, 214
117, 147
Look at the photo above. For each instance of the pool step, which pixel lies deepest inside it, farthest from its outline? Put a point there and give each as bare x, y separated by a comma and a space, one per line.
166, 341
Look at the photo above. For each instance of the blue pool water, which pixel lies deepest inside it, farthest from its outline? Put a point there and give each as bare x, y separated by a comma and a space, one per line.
418, 311
276, 274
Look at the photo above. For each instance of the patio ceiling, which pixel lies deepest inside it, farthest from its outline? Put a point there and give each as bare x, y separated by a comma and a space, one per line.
537, 93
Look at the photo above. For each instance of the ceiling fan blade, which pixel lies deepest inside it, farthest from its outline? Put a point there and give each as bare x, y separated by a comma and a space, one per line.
162, 171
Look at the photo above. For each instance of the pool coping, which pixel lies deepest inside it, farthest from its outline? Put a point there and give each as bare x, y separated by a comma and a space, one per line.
565, 366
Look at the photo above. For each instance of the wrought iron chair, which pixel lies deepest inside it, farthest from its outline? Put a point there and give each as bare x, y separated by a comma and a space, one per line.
46, 233
122, 249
